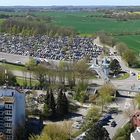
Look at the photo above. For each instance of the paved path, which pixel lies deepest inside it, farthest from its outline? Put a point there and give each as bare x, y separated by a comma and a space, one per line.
127, 106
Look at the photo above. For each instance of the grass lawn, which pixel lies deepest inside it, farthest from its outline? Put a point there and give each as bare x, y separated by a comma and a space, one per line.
124, 76
21, 81
13, 67
133, 41
84, 23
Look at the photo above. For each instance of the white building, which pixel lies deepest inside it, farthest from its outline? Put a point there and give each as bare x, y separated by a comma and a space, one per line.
12, 112
135, 135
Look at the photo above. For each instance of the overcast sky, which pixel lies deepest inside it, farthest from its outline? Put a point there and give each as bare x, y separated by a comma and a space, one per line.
68, 2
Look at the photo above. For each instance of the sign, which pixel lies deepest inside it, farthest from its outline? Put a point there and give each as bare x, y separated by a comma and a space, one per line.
138, 77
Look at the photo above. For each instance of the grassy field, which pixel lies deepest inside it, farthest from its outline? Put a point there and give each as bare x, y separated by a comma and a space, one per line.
84, 23
13, 67
133, 42
21, 81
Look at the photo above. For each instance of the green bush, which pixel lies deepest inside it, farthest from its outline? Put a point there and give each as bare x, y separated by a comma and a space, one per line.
124, 133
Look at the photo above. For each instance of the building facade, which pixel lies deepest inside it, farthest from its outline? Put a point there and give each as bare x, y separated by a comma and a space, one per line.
136, 119
136, 134
12, 112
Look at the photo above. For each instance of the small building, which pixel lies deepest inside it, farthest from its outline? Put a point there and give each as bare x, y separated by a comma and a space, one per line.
135, 135
136, 119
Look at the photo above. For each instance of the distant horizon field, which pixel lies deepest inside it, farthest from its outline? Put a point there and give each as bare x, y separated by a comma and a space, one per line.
132, 41
82, 22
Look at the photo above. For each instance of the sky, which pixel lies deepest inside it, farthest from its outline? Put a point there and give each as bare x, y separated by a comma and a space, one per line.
67, 2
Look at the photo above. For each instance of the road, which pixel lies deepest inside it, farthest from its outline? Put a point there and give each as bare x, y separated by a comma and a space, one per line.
13, 58
126, 105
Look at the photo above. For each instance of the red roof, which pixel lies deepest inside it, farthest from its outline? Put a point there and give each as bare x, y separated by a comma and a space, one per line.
136, 119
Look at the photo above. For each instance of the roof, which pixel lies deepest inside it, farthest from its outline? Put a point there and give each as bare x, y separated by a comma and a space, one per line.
136, 135
7, 99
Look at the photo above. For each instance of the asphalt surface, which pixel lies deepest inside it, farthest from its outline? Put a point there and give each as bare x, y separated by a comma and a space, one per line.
126, 106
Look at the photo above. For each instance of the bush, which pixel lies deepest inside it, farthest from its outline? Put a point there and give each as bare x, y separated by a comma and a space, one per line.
124, 133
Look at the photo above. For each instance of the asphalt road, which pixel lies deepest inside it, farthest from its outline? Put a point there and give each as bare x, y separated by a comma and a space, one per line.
13, 58
126, 106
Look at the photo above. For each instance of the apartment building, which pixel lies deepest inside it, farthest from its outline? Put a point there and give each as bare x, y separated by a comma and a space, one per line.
12, 112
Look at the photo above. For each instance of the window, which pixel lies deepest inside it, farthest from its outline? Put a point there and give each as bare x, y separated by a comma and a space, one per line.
8, 112
8, 106
9, 137
9, 131
8, 118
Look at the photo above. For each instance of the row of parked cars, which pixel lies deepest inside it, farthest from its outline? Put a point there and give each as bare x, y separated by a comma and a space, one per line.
107, 117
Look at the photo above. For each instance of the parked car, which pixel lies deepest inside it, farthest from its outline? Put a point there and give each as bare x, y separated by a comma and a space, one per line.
113, 111
113, 123
133, 74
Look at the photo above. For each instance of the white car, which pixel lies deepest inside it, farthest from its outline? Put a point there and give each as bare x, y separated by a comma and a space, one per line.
18, 62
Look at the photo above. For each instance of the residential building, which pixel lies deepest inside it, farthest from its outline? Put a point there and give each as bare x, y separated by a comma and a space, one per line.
136, 119
12, 112
135, 135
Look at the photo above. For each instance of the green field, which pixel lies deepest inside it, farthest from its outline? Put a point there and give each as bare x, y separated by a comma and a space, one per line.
133, 41
84, 23
21, 81
13, 67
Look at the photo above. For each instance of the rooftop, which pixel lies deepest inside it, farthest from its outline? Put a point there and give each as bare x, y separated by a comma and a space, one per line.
136, 135
7, 99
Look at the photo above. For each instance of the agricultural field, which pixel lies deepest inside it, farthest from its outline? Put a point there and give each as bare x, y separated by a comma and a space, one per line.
91, 22
132, 41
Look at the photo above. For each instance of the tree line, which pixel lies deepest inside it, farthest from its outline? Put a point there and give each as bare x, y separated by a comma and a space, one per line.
127, 54
30, 26
62, 74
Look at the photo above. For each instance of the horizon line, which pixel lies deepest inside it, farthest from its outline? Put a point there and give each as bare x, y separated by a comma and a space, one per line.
66, 5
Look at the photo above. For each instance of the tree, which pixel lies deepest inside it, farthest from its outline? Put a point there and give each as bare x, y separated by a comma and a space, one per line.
62, 71
92, 117
49, 106
55, 132
97, 132
70, 74
82, 70
80, 94
137, 99
115, 66
124, 132
30, 66
130, 57
106, 93
120, 47
7, 77
40, 72
62, 104
46, 110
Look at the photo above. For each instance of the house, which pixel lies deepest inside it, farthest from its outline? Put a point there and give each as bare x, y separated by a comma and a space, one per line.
136, 119
135, 135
